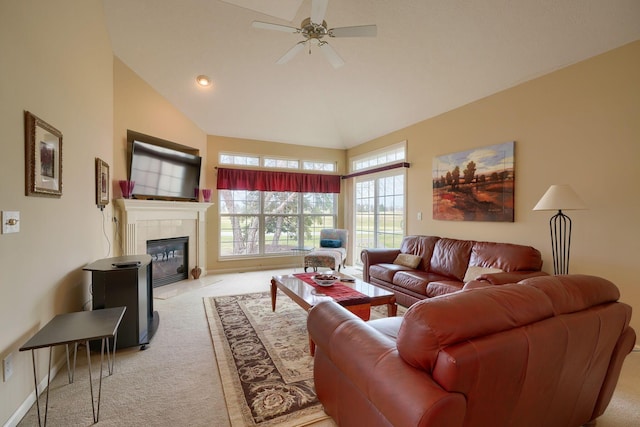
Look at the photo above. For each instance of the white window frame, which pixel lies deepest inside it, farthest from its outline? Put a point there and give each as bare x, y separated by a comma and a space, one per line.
303, 164
372, 160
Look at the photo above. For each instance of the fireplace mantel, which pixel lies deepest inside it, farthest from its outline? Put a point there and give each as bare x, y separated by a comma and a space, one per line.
142, 220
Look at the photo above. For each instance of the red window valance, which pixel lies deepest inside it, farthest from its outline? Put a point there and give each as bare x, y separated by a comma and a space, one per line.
257, 180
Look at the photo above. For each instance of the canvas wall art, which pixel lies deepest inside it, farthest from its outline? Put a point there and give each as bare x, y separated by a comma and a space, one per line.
475, 185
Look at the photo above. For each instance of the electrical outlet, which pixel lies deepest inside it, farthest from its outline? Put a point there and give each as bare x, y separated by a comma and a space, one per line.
7, 367
419, 216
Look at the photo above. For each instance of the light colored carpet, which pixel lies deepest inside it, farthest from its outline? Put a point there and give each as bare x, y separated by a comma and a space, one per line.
175, 382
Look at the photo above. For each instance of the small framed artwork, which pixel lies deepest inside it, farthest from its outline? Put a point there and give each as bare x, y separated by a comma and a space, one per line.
43, 158
102, 183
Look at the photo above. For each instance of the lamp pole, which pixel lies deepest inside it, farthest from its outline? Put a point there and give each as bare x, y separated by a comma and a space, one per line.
560, 228
560, 197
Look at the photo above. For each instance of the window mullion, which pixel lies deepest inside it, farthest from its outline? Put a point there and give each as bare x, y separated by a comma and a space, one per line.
262, 225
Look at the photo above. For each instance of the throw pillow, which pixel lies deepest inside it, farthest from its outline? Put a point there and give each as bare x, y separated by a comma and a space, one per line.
330, 243
474, 271
408, 260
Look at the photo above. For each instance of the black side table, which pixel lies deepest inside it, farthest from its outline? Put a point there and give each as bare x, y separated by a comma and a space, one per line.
72, 328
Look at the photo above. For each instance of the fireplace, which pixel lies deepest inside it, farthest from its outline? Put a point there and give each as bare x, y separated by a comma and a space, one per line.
143, 220
170, 260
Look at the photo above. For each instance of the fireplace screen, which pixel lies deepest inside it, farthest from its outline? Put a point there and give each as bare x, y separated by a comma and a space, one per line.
170, 260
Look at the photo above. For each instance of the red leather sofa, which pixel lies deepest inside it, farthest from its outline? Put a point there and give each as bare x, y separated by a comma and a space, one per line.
544, 352
446, 265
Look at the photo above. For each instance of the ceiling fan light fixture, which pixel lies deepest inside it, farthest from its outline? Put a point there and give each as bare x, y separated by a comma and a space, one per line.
203, 80
314, 29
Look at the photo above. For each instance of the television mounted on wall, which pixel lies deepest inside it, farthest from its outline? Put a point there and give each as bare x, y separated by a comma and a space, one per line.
162, 172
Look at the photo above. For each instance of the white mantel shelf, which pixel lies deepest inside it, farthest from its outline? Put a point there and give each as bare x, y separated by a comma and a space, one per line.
158, 206
134, 214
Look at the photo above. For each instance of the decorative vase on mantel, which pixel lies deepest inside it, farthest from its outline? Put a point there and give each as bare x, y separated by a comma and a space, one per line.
195, 272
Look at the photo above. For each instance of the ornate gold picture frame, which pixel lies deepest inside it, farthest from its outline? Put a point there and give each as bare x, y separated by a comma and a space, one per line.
43, 158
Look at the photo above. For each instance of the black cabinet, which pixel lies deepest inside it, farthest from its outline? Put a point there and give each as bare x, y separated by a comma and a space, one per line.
126, 281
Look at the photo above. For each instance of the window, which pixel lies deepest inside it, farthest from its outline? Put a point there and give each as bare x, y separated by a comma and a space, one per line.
263, 223
379, 201
268, 223
280, 163
232, 159
319, 166
393, 154
276, 162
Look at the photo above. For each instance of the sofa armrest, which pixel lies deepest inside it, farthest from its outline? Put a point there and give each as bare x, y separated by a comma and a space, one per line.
369, 362
374, 256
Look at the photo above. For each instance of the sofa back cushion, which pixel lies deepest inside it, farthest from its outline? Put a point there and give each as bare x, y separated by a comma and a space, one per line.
506, 256
435, 323
451, 257
574, 292
549, 372
421, 246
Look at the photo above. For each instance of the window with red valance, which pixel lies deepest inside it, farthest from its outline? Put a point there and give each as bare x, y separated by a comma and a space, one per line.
258, 180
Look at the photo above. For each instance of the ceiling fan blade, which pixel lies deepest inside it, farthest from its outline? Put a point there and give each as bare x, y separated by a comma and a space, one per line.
331, 55
277, 27
357, 31
291, 53
318, 10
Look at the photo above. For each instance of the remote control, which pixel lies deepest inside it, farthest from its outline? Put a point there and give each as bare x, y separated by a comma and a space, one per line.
126, 264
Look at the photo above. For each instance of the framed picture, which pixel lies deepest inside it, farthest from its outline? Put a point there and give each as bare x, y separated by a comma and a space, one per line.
102, 183
475, 185
43, 158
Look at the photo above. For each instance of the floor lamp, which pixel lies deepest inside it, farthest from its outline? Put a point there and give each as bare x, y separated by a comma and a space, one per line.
560, 197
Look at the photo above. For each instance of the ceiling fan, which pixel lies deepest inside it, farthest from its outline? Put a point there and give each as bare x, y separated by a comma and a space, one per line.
314, 29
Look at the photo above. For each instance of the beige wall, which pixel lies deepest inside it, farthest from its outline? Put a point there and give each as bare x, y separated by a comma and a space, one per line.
140, 108
580, 126
218, 144
55, 61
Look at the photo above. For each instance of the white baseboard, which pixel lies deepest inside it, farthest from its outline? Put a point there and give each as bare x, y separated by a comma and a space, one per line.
636, 348
31, 398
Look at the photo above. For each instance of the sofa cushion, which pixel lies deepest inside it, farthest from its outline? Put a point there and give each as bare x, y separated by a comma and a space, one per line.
408, 260
386, 271
506, 256
475, 271
413, 280
442, 287
439, 322
421, 246
576, 292
451, 257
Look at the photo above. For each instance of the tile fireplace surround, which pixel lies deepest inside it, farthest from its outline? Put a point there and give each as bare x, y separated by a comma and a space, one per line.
142, 220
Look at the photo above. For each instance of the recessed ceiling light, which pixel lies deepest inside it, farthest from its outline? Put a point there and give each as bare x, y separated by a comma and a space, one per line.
203, 80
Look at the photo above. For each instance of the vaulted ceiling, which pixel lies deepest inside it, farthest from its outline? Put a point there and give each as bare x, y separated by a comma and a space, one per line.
429, 57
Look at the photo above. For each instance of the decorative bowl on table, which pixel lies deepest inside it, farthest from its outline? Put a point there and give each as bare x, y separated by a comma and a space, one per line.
325, 279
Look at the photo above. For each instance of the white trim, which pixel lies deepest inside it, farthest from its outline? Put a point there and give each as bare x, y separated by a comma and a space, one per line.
136, 213
376, 153
26, 405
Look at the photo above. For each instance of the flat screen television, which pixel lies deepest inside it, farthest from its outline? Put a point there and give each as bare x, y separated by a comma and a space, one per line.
163, 173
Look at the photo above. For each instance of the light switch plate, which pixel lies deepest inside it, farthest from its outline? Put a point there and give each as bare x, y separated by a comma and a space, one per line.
10, 222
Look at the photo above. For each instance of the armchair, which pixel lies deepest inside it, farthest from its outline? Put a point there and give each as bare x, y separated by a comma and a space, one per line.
332, 252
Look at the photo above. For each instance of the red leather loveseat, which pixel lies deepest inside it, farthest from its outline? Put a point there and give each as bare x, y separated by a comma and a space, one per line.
544, 352
443, 265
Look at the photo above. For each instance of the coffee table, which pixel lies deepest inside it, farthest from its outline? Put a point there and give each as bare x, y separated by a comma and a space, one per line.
307, 296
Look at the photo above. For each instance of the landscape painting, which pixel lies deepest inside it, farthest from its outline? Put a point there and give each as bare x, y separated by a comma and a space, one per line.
475, 185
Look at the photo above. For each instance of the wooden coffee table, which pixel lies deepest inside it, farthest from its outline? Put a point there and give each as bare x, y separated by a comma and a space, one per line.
307, 296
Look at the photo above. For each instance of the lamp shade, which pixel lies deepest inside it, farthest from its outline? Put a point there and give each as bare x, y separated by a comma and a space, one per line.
560, 197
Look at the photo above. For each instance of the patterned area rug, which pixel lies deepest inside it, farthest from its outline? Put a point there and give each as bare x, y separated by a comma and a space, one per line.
264, 361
